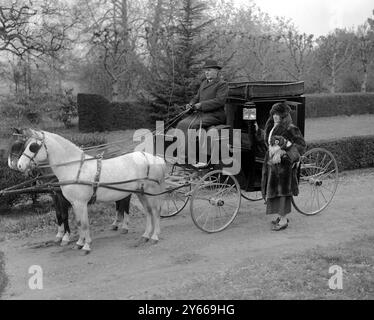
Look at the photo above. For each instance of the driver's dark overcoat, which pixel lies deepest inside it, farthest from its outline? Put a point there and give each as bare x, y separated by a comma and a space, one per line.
212, 96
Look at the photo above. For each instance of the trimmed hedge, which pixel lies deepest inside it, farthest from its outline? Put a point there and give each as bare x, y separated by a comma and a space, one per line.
328, 105
98, 114
127, 115
350, 153
92, 110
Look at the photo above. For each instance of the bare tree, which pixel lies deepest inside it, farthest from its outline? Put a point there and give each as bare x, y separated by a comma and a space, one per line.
365, 49
258, 55
33, 29
300, 47
15, 34
35, 32
334, 52
115, 25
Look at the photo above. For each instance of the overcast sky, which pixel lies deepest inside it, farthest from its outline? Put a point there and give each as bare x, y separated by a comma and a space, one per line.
318, 16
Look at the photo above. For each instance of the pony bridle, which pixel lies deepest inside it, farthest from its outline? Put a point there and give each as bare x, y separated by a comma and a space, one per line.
35, 148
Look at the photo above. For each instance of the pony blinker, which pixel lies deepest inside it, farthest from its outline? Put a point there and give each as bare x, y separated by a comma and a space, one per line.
34, 147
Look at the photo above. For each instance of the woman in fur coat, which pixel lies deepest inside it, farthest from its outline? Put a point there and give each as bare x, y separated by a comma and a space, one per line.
279, 172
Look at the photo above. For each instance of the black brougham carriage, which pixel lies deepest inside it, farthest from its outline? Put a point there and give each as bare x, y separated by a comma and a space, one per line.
216, 195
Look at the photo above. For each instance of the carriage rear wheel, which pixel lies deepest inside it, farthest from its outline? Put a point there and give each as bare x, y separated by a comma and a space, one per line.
318, 181
215, 201
252, 195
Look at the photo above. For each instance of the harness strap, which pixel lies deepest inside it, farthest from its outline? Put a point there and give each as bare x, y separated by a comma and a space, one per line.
96, 182
148, 166
80, 166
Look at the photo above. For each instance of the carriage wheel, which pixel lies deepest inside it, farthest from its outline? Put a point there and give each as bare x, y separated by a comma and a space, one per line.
319, 178
215, 201
175, 201
252, 195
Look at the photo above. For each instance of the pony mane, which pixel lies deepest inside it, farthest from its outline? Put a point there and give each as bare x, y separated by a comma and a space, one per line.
63, 140
38, 134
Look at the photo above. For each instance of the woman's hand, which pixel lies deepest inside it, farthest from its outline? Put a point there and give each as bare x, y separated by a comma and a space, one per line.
197, 106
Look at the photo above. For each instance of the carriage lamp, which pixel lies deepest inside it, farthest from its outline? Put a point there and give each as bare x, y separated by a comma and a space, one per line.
249, 111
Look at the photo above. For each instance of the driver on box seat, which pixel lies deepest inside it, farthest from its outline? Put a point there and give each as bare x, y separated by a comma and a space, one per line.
207, 105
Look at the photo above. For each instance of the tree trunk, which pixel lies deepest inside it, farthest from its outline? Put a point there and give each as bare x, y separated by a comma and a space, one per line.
29, 80
115, 93
364, 81
333, 75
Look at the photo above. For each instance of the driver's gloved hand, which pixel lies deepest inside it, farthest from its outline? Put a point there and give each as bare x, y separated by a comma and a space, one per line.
191, 108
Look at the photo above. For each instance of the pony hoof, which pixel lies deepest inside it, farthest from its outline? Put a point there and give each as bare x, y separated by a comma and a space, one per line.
77, 247
153, 241
64, 243
57, 240
114, 227
124, 231
141, 241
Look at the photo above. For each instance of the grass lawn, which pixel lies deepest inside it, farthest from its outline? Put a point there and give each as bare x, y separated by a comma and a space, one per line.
296, 277
338, 127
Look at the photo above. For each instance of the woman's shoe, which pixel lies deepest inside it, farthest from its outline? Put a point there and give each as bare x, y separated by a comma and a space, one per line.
278, 227
276, 221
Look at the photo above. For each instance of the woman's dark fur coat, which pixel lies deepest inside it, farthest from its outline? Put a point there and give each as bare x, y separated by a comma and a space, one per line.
281, 179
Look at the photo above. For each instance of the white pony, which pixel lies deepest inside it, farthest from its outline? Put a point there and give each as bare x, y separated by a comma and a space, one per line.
81, 175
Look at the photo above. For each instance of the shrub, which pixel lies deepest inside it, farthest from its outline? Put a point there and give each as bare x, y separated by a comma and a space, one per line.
33, 108
350, 153
327, 105
12, 109
68, 108
9, 178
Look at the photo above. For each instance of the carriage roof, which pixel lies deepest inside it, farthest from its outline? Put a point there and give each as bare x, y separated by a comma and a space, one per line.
262, 95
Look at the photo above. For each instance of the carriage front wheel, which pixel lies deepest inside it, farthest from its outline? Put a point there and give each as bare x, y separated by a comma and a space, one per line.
174, 201
215, 201
318, 181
